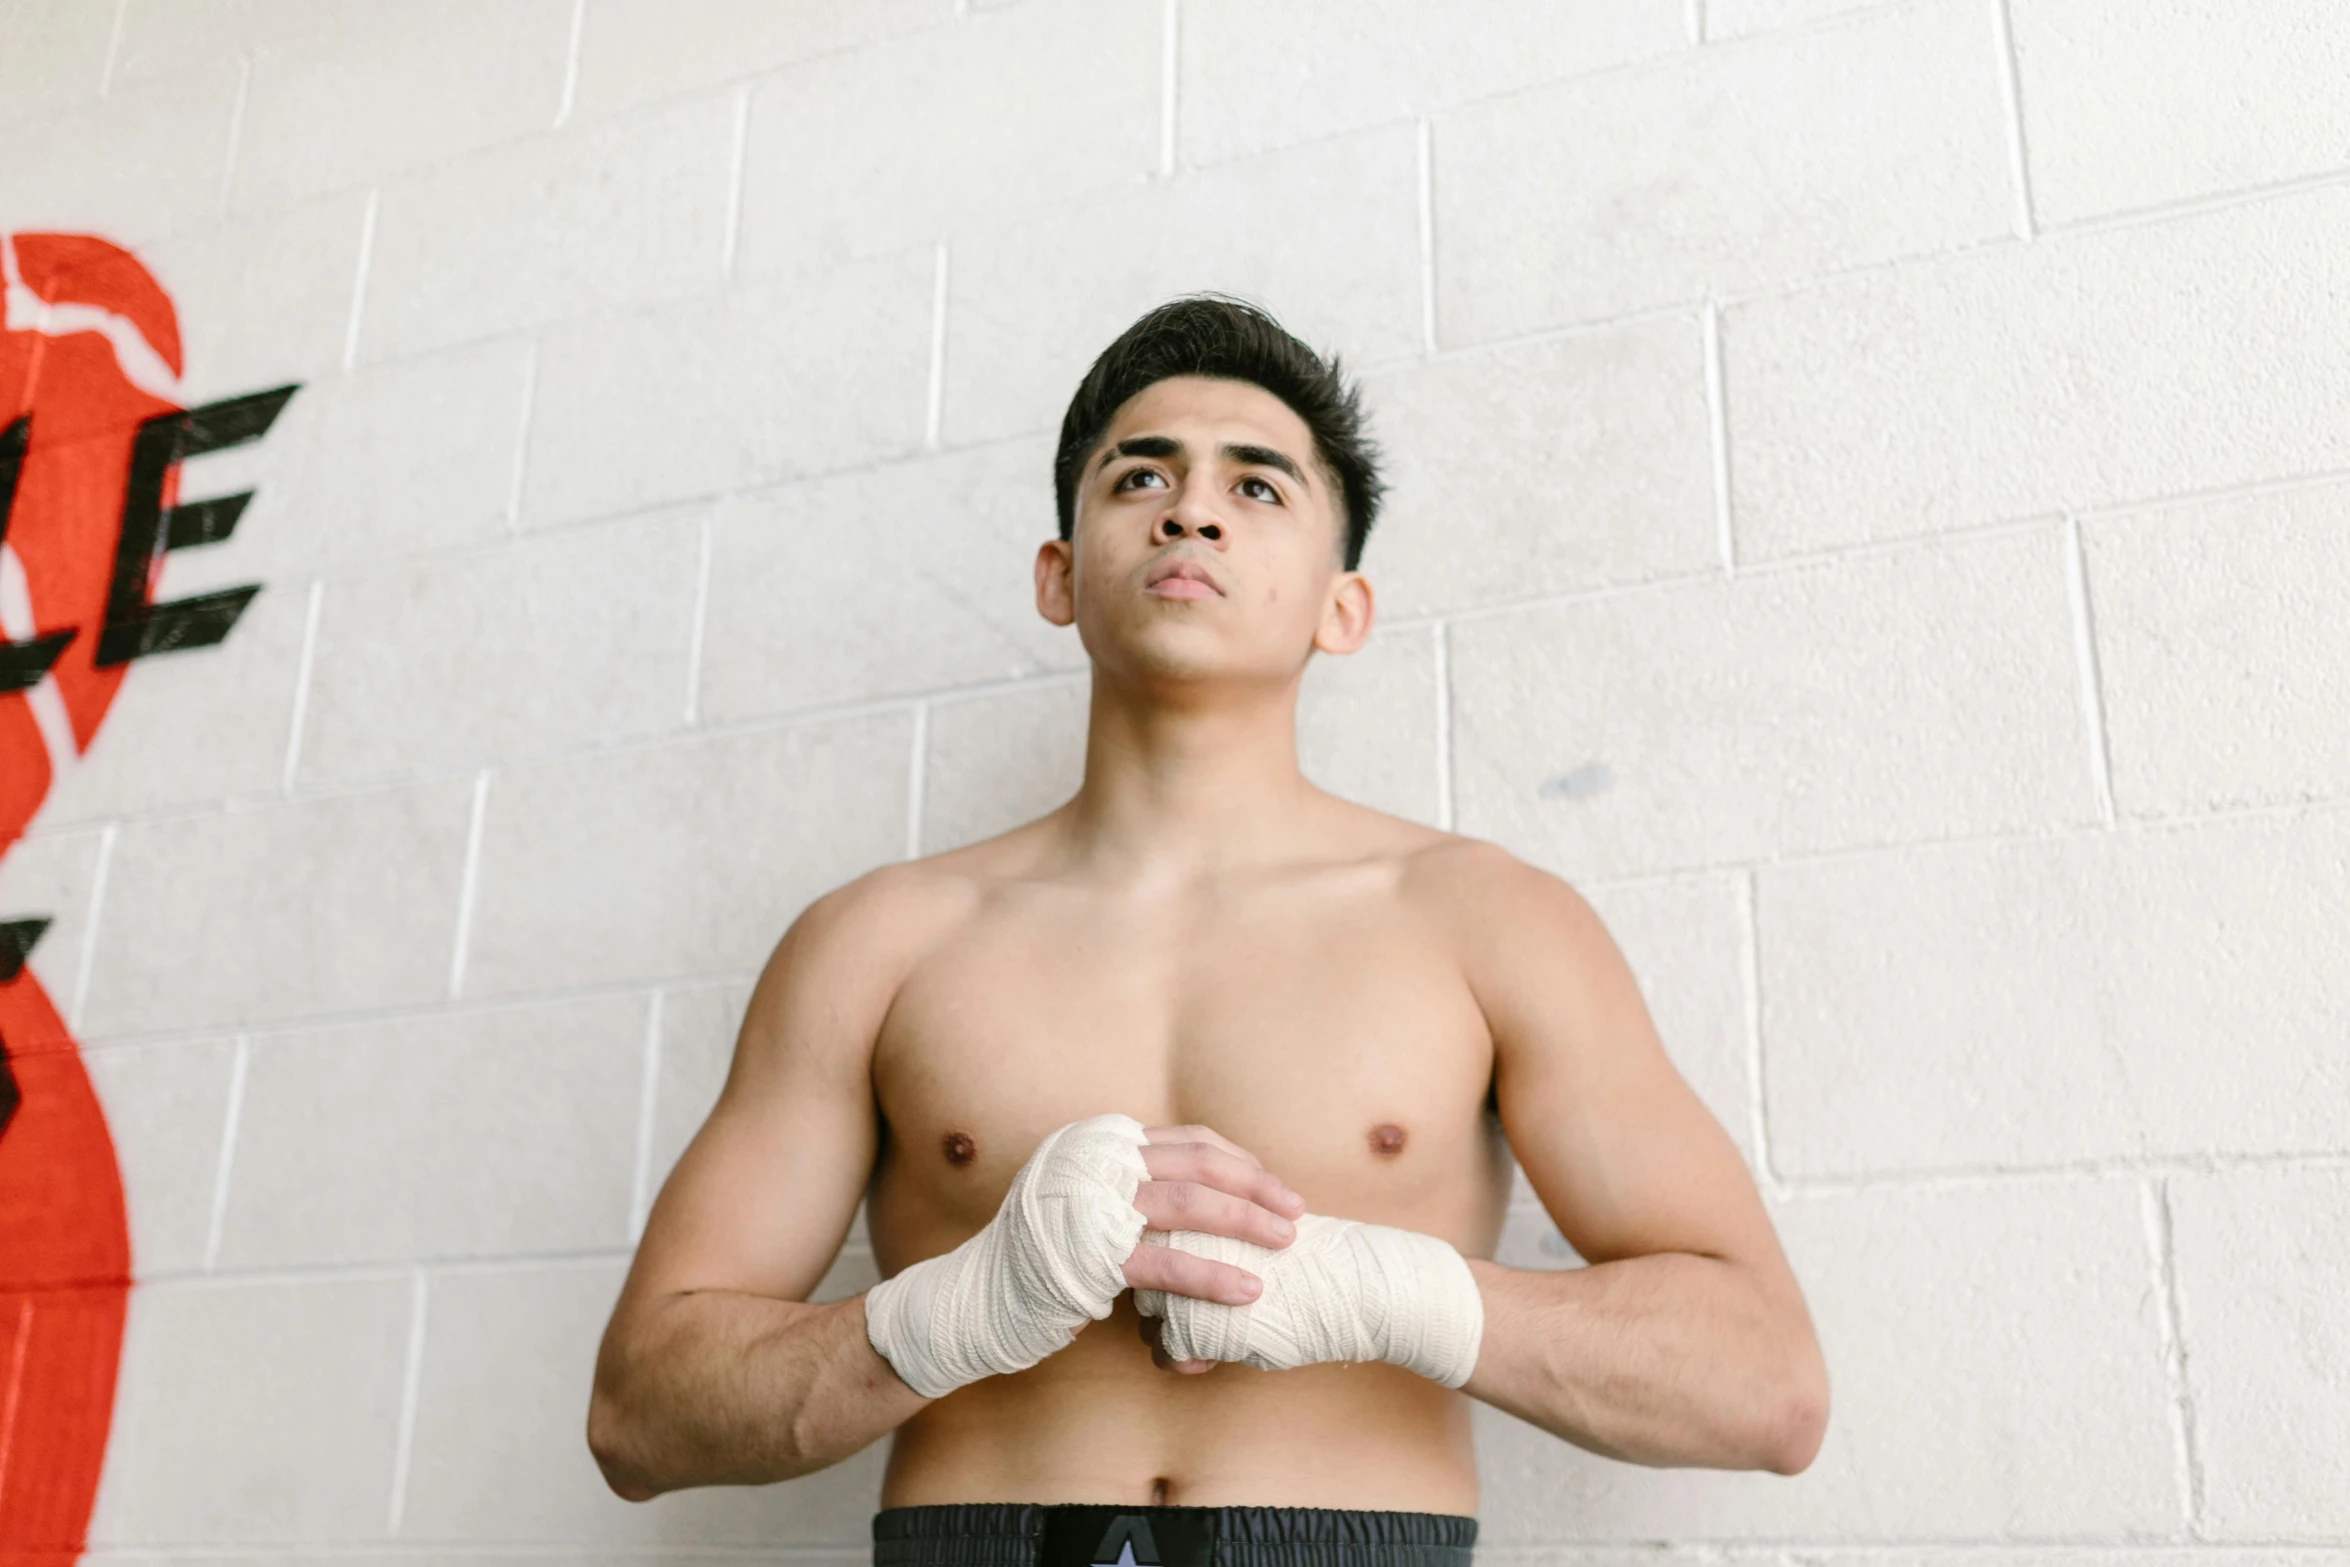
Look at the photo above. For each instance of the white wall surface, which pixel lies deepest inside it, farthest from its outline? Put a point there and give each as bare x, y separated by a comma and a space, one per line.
1872, 510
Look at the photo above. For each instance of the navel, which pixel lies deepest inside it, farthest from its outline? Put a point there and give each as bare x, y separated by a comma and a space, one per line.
1387, 1139
960, 1149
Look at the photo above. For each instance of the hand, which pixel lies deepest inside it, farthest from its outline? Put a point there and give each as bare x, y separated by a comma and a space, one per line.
1200, 1180
1035, 1274
1345, 1290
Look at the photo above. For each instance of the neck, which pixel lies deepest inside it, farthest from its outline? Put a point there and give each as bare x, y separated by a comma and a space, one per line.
1195, 785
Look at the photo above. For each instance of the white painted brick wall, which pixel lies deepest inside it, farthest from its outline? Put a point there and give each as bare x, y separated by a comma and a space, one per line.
1872, 509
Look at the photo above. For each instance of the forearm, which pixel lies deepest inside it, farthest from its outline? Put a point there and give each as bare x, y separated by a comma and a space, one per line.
717, 1387
1670, 1359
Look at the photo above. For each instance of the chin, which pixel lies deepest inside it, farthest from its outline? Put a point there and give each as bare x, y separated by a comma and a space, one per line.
1164, 651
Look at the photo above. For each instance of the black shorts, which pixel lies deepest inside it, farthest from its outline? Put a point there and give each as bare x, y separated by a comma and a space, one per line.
1032, 1534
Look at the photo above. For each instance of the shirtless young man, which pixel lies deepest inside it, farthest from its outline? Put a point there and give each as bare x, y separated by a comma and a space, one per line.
1205, 997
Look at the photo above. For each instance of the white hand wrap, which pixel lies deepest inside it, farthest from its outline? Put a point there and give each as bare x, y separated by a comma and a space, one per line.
1343, 1290
1052, 1259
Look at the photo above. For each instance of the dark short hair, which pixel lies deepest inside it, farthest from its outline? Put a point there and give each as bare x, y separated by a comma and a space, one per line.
1233, 340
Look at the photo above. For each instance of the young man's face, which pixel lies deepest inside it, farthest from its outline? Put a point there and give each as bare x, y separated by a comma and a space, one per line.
1216, 479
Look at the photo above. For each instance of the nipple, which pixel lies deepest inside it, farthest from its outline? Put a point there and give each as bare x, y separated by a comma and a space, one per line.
1387, 1139
960, 1149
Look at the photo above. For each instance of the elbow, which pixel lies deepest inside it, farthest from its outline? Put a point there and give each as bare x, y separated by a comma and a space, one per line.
1801, 1425
608, 1444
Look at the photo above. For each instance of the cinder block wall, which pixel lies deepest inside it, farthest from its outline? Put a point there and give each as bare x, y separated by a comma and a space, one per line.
1872, 510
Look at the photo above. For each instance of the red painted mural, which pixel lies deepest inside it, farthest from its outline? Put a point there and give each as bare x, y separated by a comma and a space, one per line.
91, 439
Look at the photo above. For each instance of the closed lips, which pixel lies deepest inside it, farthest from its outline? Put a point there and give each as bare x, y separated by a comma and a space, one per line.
1181, 570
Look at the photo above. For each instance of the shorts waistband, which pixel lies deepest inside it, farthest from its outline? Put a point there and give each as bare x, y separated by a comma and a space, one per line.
1036, 1534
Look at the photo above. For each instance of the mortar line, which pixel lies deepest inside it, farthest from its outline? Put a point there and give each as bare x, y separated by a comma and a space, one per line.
2200, 205
530, 391
916, 781
1662, 62
2312, 479
81, 980
649, 1087
571, 62
1445, 817
936, 407
694, 643
1709, 577
411, 1377
2076, 573
302, 668
734, 181
2293, 809
451, 1265
465, 885
1171, 28
236, 132
2011, 97
359, 283
1986, 1176
222, 1172
1718, 427
462, 1007
1427, 234
105, 90
2161, 1243
907, 457
1766, 290
588, 751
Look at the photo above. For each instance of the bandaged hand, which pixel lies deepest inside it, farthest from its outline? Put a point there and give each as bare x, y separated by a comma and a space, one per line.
1051, 1260
1343, 1290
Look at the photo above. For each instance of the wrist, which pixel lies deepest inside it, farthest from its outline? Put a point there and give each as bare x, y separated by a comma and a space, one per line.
1052, 1259
1344, 1290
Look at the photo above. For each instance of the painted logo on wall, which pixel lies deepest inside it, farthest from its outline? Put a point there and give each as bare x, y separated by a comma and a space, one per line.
91, 439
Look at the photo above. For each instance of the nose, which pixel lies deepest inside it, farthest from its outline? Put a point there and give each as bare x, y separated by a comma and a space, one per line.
1189, 514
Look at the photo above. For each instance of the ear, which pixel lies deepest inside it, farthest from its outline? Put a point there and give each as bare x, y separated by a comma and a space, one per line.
1056, 581
1346, 617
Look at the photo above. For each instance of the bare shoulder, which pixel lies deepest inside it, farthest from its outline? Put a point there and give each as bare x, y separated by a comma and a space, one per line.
835, 970
1527, 942
1478, 889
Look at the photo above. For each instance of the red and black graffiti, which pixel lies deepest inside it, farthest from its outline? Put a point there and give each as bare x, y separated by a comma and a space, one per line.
90, 446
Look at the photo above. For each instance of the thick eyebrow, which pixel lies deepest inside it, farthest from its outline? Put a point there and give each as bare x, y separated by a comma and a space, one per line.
1168, 446
1142, 446
1261, 457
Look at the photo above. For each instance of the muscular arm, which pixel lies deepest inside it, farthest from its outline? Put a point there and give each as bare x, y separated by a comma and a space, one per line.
1686, 1340
714, 1368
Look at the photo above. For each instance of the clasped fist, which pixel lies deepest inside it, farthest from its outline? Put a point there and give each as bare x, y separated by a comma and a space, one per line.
1199, 1180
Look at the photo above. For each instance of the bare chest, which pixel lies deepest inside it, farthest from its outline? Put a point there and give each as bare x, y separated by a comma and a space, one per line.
1326, 1031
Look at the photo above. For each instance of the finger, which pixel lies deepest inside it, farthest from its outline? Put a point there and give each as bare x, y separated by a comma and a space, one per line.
1180, 1273
1188, 1205
1211, 1165
1195, 1134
